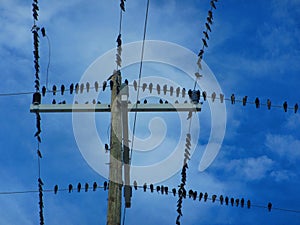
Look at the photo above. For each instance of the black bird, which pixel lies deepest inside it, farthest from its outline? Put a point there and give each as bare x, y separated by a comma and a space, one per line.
86, 187
111, 84
248, 204
237, 201
55, 189
39, 153
212, 3
76, 88
54, 90
122, 5
151, 187
135, 185
207, 27
204, 42
221, 199
96, 86
145, 101
144, 86
119, 40
166, 102
126, 82
209, 20
226, 200
269, 206
158, 89
104, 85
40, 181
269, 104
242, 203
232, 201
204, 95
165, 89
257, 103
296, 108
81, 88
44, 90
106, 147
174, 191
87, 86
166, 190
200, 54
245, 100
135, 85
105, 184
171, 91
213, 198
53, 102
177, 92
210, 14
232, 98
206, 35
150, 87
205, 196
79, 187
213, 96
183, 92
94, 101
70, 188
43, 31
94, 186
145, 187
221, 98
71, 88
285, 106
62, 89
162, 189
157, 188
161, 101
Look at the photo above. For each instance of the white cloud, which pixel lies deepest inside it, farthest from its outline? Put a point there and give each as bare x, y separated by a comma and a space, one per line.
286, 146
282, 175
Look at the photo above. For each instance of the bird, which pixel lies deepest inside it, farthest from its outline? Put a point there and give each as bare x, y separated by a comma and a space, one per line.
242, 202
177, 92
296, 108
209, 20
183, 92
162, 189
54, 90
226, 200
55, 189
221, 98
76, 88
71, 88
144, 86
39, 153
237, 201
269, 206
157, 188
94, 101
200, 196
213, 96
221, 199
232, 98
96, 84
135, 185
205, 196
44, 90
171, 91
87, 86
210, 14
212, 3
204, 95
122, 5
62, 89
174, 191
135, 85
105, 184
269, 104
70, 188
94, 186
165, 87
158, 89
245, 100
207, 27
79, 187
151, 187
145, 187
161, 101
213, 198
86, 187
111, 84
126, 82
106, 147
150, 87
200, 54
206, 35
119, 40
248, 204
81, 88
53, 102
204, 42
145, 101
43, 31
166, 190
40, 181
166, 102
104, 85
257, 102
285, 106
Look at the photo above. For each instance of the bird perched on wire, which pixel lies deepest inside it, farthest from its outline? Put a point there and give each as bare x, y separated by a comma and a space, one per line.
55, 189
44, 90
150, 87
257, 102
296, 108
204, 42
122, 5
70, 188
94, 186
135, 185
206, 35
135, 85
207, 27
62, 89
119, 40
54, 89
79, 187
285, 106
212, 3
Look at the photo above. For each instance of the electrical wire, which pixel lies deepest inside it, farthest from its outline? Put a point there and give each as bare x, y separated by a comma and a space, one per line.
140, 75
49, 60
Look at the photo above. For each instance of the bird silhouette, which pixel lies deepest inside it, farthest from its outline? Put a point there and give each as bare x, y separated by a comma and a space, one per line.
165, 87
53, 102
39, 153
135, 85
242, 202
207, 27
245, 100
78, 187
213, 96
209, 20
171, 91
111, 84
212, 3
248, 204
206, 35
104, 85
158, 89
105, 185
151, 187
296, 108
204, 42
86, 187
145, 187
119, 40
81, 88
135, 185
94, 186
205, 196
145, 101
285, 106
150, 87
269, 206
232, 98
87, 85
257, 102
70, 188
269, 104
221, 199
54, 89
55, 189
44, 90
161, 101
144, 86
96, 84
43, 31
62, 89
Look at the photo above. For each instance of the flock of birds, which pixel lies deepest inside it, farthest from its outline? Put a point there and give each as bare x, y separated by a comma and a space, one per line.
165, 190
160, 89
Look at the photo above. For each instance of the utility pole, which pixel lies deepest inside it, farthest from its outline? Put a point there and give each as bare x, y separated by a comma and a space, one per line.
118, 108
115, 164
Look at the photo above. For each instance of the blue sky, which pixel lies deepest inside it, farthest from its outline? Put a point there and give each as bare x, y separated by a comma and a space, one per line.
253, 51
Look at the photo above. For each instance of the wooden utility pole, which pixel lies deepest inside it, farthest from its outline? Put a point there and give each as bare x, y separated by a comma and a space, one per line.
115, 165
